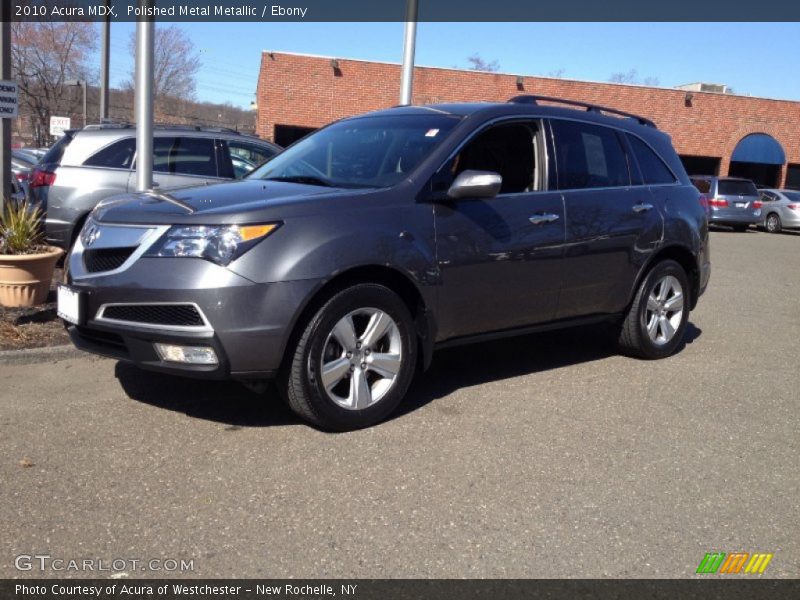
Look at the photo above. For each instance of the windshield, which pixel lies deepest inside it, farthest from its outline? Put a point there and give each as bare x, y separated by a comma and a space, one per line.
360, 153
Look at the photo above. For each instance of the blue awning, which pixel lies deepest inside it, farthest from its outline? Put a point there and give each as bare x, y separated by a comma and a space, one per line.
759, 148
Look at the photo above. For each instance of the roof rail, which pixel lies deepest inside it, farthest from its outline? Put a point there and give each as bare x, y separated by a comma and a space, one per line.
111, 124
529, 99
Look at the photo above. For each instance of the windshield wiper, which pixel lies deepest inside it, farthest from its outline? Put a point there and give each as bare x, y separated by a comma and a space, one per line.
307, 179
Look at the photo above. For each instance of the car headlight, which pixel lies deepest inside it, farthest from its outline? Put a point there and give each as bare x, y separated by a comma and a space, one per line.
220, 244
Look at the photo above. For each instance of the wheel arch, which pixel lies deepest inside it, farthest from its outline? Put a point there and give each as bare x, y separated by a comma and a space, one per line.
397, 281
684, 257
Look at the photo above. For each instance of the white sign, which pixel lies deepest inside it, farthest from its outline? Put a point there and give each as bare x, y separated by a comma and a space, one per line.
59, 124
8, 99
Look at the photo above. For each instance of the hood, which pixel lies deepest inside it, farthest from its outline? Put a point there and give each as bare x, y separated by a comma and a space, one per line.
238, 201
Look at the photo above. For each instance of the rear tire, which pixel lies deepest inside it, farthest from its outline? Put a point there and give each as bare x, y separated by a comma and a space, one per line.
354, 361
773, 223
656, 320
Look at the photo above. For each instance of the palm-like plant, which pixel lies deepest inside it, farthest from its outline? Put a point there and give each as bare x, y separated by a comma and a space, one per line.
20, 229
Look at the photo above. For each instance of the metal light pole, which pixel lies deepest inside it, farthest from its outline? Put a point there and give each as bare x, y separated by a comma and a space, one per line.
82, 84
145, 35
5, 124
104, 64
409, 46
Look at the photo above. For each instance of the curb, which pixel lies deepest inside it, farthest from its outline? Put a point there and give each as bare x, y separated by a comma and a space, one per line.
38, 355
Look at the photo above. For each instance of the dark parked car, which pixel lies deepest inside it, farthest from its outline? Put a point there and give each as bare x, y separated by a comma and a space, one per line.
96, 162
342, 263
731, 201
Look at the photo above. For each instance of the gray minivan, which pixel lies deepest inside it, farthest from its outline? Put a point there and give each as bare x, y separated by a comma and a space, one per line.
731, 201
91, 164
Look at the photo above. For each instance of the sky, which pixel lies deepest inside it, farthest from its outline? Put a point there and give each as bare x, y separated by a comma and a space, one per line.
758, 59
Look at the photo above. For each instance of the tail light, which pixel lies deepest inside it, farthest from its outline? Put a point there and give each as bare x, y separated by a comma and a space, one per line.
757, 204
703, 201
793, 206
42, 178
718, 202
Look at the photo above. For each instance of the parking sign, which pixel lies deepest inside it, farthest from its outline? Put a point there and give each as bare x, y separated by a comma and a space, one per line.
8, 99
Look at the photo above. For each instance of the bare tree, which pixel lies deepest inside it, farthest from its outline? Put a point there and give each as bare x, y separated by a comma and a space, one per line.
45, 55
478, 64
632, 76
558, 73
175, 64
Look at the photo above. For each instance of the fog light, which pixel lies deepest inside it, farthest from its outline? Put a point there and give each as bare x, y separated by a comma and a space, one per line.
193, 355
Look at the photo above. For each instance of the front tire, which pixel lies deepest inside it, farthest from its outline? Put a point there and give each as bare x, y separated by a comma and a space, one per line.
354, 360
656, 320
774, 224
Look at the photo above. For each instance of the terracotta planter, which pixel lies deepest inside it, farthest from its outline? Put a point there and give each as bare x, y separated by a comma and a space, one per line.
25, 278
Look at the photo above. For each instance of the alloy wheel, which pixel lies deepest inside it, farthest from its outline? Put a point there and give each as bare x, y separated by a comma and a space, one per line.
772, 223
361, 358
664, 310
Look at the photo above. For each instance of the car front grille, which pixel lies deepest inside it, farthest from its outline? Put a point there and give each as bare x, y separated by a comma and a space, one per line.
106, 259
176, 315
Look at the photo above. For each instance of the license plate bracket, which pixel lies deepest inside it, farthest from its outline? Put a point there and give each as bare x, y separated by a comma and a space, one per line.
70, 304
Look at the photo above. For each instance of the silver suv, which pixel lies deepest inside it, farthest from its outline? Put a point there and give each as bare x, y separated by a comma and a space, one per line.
91, 164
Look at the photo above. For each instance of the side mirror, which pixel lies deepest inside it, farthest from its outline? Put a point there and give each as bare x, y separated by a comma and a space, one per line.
475, 184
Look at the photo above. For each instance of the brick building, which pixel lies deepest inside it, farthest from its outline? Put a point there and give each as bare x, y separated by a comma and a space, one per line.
714, 133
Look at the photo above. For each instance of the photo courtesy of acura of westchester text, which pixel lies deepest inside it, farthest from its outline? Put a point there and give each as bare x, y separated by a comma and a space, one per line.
421, 298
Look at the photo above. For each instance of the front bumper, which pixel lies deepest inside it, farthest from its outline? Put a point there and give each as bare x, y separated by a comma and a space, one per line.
247, 324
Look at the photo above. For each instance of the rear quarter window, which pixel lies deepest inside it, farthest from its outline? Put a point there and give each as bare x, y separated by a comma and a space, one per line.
56, 152
118, 155
654, 171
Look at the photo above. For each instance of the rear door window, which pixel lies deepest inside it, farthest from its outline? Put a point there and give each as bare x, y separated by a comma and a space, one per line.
588, 156
727, 187
118, 155
768, 197
185, 156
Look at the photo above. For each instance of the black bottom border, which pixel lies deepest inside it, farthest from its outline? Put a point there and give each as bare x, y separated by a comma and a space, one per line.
400, 589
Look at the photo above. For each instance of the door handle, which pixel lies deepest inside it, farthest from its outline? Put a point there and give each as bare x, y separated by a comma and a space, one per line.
543, 218
637, 208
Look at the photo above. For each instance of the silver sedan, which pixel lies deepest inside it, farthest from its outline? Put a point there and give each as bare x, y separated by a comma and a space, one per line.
780, 210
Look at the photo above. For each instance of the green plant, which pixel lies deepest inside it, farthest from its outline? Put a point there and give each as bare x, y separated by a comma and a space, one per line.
20, 229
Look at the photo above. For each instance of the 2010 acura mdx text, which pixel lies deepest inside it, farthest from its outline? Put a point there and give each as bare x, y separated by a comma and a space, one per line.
342, 263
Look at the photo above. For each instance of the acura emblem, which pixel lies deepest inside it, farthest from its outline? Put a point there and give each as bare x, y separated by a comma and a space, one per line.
90, 235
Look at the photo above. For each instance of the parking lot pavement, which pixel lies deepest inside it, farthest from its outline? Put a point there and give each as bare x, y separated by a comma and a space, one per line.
543, 456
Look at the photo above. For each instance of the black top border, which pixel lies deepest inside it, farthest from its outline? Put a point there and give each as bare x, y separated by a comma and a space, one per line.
395, 10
